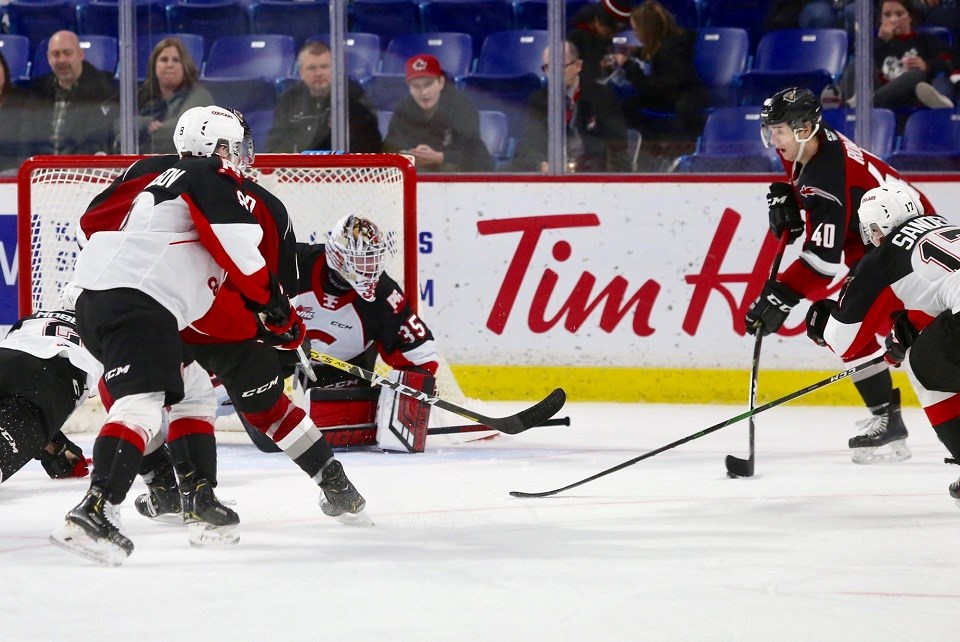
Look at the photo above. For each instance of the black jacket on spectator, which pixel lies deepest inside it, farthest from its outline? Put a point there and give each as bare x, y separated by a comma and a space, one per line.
301, 122
599, 120
454, 129
11, 126
89, 122
673, 85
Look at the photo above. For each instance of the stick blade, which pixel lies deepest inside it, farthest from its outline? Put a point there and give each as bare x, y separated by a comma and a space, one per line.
737, 467
532, 416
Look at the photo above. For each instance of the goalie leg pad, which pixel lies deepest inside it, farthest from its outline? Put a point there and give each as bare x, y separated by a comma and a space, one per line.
345, 415
402, 421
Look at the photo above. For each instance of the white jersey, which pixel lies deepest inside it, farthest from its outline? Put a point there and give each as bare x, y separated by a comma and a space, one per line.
49, 335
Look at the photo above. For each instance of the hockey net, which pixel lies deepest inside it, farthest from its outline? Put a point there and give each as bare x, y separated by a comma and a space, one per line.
317, 190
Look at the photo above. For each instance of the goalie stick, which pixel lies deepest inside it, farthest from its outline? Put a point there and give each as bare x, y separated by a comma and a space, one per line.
513, 424
737, 467
713, 428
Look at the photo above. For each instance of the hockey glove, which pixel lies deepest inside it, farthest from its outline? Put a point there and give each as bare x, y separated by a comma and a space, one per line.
817, 317
901, 337
58, 465
771, 308
280, 324
784, 212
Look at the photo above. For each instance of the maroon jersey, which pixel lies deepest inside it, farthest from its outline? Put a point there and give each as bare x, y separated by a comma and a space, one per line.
829, 188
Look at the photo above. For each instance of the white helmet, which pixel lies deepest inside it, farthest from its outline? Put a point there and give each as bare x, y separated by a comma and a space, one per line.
884, 208
201, 131
357, 251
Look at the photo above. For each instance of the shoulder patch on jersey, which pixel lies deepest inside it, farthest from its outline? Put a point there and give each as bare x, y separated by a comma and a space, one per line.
808, 190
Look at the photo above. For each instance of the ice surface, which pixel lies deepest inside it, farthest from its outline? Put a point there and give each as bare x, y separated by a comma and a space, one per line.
811, 548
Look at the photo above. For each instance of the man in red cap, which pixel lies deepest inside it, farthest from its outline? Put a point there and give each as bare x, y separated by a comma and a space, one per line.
437, 123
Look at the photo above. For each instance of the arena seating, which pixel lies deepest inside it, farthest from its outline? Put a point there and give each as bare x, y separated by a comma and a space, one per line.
453, 50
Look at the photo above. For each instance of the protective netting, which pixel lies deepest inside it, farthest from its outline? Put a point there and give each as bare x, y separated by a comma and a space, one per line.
316, 190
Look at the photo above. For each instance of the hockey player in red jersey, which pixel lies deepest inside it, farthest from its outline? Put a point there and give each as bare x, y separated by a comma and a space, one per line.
142, 283
827, 176
914, 276
354, 311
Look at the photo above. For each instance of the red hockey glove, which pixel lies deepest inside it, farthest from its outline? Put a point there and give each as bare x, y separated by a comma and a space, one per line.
280, 324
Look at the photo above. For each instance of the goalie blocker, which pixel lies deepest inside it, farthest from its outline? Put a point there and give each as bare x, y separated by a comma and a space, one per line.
372, 417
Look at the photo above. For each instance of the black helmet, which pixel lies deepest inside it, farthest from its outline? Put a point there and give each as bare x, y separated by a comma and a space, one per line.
793, 106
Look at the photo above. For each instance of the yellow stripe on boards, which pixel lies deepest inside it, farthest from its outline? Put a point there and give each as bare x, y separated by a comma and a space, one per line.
659, 385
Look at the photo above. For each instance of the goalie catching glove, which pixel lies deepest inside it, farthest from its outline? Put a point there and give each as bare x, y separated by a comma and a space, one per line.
58, 465
771, 308
280, 324
784, 212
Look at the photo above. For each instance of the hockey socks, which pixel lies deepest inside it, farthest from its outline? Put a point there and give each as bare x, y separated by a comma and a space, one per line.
117, 454
290, 428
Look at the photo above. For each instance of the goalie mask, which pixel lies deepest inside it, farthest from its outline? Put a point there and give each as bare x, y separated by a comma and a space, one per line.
357, 251
885, 207
201, 131
794, 107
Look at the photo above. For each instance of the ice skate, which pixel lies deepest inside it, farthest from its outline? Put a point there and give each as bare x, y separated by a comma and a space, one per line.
340, 498
92, 530
208, 520
884, 430
161, 502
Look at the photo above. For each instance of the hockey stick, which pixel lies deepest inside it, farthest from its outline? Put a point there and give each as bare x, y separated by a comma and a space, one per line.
713, 428
737, 467
513, 424
456, 430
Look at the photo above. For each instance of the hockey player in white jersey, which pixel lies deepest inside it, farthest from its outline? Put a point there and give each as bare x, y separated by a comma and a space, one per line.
914, 277
45, 374
142, 284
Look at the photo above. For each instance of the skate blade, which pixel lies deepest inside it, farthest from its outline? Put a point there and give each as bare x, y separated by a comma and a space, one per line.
895, 452
202, 534
74, 539
361, 519
171, 519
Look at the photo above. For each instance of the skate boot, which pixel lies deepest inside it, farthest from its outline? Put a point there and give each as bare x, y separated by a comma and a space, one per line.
161, 502
884, 428
340, 498
955, 491
208, 521
92, 530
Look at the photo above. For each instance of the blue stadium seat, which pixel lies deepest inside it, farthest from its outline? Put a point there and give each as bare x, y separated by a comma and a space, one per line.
40, 20
145, 44
99, 51
941, 32
212, 20
731, 143
300, 20
101, 17
810, 58
386, 18
512, 52
494, 130
383, 121
244, 95
508, 94
532, 14
384, 91
267, 57
720, 56
883, 128
930, 143
260, 121
479, 18
454, 51
745, 14
16, 51
686, 12
362, 54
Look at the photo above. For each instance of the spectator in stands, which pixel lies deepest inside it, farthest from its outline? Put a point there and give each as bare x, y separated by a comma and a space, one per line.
905, 62
12, 99
72, 109
302, 117
596, 131
670, 82
170, 89
437, 123
939, 13
592, 29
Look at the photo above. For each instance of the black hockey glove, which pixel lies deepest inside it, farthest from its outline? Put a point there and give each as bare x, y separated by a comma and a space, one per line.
784, 211
280, 325
817, 317
771, 308
901, 337
58, 465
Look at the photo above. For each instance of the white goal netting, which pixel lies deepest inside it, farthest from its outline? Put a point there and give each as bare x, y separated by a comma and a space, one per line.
317, 191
